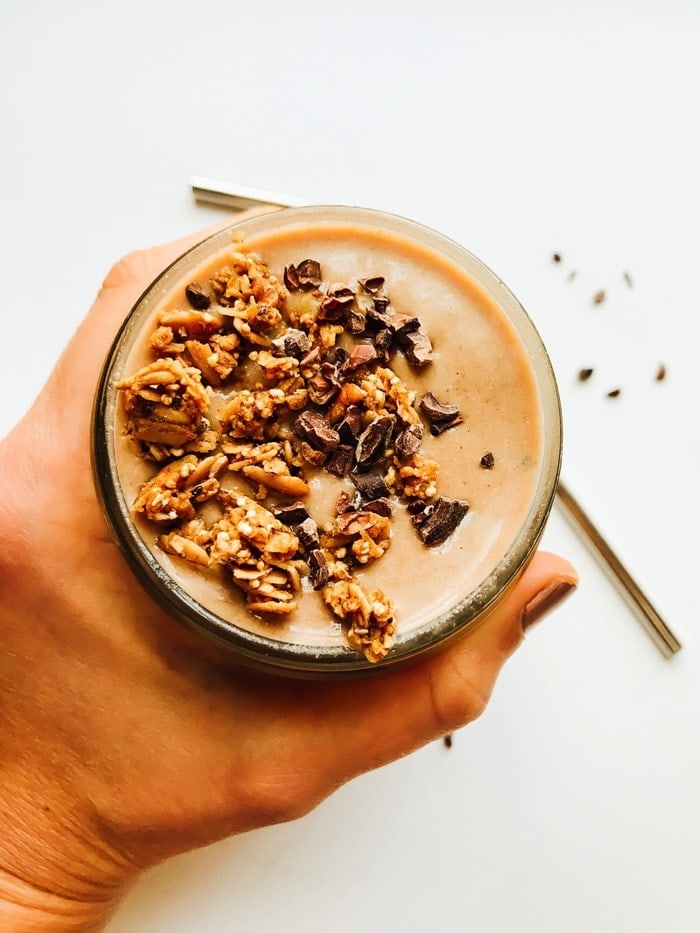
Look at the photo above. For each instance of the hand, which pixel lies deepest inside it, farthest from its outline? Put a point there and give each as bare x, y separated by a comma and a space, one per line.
126, 739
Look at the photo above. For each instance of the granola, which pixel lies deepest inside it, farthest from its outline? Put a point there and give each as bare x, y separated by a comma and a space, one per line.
253, 389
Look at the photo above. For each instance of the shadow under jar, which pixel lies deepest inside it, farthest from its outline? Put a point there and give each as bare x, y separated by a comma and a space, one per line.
328, 438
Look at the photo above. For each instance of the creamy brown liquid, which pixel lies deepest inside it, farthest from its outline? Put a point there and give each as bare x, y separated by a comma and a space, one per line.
480, 365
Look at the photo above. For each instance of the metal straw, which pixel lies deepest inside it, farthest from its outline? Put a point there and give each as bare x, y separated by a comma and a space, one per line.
238, 197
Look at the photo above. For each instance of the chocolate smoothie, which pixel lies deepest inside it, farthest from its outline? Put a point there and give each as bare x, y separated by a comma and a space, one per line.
446, 416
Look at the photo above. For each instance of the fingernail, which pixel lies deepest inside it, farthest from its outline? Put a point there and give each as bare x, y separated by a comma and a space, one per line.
544, 601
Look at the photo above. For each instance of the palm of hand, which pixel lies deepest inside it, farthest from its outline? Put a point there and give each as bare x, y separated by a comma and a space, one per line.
163, 744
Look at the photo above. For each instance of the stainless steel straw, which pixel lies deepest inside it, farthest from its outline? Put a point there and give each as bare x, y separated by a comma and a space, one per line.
238, 197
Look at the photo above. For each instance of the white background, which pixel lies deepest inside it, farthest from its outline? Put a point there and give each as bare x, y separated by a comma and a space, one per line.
519, 129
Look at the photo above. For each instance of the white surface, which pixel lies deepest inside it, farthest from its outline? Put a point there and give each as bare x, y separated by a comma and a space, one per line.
519, 129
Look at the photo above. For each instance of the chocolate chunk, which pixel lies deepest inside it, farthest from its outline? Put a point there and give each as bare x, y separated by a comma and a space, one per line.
408, 441
372, 285
446, 516
416, 507
420, 512
381, 506
352, 424
361, 355
340, 460
319, 573
307, 533
487, 461
316, 431
440, 416
296, 343
371, 444
308, 272
371, 485
416, 346
584, 374
292, 514
197, 297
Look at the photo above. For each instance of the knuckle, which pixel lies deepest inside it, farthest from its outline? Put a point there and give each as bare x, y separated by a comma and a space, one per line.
130, 268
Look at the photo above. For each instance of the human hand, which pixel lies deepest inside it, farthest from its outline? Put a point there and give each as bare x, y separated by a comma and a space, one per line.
126, 738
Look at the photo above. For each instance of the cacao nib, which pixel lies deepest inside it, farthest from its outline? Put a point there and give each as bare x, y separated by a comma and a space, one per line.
372, 285
307, 533
340, 460
394, 321
197, 297
440, 417
445, 518
311, 357
336, 356
487, 461
308, 272
318, 569
335, 302
584, 374
291, 279
351, 426
416, 346
316, 431
371, 444
347, 502
371, 485
355, 321
311, 455
408, 441
384, 342
292, 514
361, 355
322, 387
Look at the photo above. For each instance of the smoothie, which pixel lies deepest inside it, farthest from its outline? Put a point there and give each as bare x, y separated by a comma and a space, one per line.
328, 434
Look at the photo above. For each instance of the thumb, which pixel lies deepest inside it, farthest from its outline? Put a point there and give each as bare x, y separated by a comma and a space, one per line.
452, 687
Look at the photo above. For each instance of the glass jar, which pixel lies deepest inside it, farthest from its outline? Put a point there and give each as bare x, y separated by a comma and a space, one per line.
500, 455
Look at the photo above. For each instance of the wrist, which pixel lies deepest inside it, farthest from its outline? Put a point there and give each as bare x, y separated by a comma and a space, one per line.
25, 907
55, 874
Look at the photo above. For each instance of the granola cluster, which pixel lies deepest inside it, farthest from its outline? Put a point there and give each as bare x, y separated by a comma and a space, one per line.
253, 389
